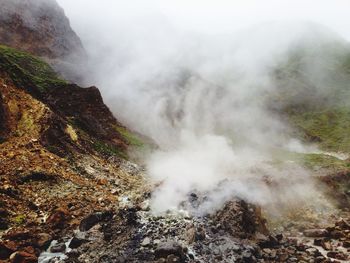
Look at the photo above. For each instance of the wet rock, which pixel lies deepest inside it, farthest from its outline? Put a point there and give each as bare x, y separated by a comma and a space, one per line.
93, 219
58, 248
23, 257
76, 242
165, 249
316, 233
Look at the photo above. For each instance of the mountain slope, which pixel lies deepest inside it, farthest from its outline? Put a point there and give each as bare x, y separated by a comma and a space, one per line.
60, 151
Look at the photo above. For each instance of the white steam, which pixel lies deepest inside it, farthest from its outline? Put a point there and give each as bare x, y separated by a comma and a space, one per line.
203, 98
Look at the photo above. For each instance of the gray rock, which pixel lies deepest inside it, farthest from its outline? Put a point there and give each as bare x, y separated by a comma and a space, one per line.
59, 248
165, 249
146, 242
316, 233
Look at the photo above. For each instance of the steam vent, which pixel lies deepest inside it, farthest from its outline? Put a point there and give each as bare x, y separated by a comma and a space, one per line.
186, 131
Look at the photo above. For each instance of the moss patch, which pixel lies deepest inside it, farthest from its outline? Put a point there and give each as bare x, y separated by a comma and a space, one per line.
131, 138
330, 128
28, 71
108, 150
19, 220
317, 161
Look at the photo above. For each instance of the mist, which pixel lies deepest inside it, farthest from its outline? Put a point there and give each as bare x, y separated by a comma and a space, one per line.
197, 79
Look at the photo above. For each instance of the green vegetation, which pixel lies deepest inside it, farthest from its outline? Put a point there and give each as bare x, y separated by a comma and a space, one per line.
107, 149
314, 93
131, 138
330, 127
19, 220
316, 161
28, 71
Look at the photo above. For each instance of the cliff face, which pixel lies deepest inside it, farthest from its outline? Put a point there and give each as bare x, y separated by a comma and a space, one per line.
41, 28
38, 27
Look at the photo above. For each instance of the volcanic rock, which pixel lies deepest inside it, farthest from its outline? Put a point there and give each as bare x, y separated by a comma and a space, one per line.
165, 249
316, 233
43, 240
93, 219
6, 249
23, 257
58, 217
76, 242
61, 247
146, 242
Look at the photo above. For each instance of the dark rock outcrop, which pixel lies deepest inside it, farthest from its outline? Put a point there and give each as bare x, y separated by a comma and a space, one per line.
41, 27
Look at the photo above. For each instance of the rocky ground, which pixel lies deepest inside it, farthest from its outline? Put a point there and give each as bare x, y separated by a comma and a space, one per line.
237, 233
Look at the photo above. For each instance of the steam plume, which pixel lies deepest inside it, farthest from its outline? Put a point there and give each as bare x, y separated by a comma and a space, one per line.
206, 100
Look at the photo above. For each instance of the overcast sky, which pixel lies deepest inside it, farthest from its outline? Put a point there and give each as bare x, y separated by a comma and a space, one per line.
214, 16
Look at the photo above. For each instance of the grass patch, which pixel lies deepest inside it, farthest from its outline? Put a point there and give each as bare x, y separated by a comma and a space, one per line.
317, 161
131, 138
28, 71
107, 149
19, 220
330, 128
313, 161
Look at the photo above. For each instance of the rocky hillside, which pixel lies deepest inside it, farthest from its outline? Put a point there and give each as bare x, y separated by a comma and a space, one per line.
41, 28
61, 156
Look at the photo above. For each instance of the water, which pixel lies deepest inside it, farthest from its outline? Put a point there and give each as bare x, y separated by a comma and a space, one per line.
49, 257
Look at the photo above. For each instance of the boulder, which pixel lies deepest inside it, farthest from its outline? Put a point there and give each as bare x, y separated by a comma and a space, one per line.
76, 242
6, 249
58, 248
165, 249
43, 240
58, 218
316, 233
146, 242
23, 257
93, 219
